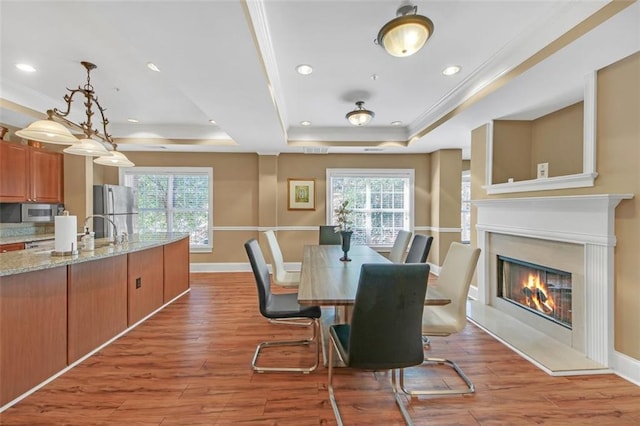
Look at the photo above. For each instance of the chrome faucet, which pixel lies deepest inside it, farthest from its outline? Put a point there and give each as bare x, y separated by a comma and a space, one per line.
116, 238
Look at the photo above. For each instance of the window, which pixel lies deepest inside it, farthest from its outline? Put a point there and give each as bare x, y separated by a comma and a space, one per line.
381, 201
175, 199
465, 215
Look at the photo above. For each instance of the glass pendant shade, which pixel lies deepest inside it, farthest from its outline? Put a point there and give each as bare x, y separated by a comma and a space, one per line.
405, 35
88, 148
116, 159
360, 116
47, 131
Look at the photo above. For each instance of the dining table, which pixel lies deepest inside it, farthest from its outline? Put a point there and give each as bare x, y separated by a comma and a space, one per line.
327, 281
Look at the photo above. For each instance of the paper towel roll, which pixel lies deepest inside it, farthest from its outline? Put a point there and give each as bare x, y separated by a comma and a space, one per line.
66, 234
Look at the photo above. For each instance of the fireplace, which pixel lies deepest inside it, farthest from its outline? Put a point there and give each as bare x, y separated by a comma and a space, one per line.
539, 289
573, 238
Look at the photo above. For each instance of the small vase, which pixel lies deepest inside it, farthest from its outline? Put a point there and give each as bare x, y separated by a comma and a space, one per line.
346, 244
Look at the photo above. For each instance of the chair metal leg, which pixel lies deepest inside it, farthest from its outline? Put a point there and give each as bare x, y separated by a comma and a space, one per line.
440, 361
306, 342
298, 322
403, 409
332, 396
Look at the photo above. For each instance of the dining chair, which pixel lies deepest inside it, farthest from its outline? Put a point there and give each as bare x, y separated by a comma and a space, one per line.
328, 236
385, 330
280, 275
453, 283
279, 307
400, 246
419, 249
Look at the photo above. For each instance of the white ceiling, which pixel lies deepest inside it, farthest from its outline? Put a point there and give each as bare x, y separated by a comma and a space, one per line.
234, 61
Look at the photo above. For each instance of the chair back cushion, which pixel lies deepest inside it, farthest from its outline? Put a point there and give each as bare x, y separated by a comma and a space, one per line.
419, 250
453, 283
328, 236
386, 324
276, 256
261, 273
400, 246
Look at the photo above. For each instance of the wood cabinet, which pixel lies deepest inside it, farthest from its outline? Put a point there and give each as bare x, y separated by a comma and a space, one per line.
11, 247
33, 329
145, 283
97, 304
30, 174
176, 269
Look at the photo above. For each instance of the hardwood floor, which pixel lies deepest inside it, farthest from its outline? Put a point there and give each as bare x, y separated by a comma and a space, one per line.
190, 364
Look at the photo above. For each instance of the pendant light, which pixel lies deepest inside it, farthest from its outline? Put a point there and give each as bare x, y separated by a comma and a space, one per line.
406, 33
360, 116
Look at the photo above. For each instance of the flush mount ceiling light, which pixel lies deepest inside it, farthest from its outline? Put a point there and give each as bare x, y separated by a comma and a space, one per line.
50, 131
360, 116
405, 34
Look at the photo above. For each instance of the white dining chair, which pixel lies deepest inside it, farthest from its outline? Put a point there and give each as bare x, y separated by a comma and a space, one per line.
400, 245
281, 276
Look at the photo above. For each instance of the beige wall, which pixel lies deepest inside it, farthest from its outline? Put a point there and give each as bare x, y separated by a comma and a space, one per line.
617, 164
556, 139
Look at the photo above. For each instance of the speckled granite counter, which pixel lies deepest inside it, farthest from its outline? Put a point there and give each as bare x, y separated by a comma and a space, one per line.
17, 262
28, 238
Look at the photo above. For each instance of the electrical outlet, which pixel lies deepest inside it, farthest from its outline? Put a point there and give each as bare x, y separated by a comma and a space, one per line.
543, 170
138, 282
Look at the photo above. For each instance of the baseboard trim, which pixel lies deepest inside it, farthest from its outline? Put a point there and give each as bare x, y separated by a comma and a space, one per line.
626, 367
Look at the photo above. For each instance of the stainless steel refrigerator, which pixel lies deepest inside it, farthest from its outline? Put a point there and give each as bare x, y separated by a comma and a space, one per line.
119, 204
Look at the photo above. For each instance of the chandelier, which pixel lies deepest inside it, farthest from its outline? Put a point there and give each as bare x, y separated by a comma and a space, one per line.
405, 34
52, 131
360, 116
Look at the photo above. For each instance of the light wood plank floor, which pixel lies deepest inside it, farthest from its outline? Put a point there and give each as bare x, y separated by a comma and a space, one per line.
190, 364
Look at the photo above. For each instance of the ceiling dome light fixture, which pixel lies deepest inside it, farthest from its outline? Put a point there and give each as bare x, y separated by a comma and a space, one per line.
405, 34
360, 116
50, 131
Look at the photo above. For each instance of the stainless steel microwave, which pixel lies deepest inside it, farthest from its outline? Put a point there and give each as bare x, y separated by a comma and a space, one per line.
39, 212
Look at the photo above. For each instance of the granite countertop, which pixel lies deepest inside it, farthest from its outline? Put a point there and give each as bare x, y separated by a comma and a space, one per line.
28, 238
17, 262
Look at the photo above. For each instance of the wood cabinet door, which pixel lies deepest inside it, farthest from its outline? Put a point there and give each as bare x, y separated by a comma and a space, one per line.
145, 283
46, 176
14, 173
176, 268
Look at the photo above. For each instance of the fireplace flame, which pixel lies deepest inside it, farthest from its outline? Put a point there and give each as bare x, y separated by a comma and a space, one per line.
536, 295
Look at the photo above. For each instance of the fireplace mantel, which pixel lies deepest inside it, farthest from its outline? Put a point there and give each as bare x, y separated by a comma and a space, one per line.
588, 220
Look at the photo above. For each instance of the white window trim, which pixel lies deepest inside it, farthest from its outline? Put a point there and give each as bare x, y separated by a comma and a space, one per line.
355, 172
184, 171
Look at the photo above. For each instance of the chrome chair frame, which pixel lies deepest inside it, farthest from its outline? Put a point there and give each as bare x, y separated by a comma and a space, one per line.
459, 265
281, 307
391, 295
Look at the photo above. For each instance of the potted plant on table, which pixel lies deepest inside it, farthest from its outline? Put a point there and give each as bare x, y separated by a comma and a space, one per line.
344, 227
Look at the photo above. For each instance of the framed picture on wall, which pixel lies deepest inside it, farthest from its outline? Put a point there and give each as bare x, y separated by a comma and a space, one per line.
301, 194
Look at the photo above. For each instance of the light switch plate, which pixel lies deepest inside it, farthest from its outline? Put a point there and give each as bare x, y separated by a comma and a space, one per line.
543, 170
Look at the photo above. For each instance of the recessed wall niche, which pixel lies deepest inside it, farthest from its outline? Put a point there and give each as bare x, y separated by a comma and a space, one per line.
554, 151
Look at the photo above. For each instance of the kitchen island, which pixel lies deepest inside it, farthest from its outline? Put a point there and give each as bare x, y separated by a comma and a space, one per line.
56, 311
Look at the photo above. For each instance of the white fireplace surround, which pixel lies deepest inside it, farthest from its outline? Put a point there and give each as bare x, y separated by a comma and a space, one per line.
587, 220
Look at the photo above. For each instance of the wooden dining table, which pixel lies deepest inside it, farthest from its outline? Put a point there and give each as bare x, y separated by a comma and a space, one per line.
326, 281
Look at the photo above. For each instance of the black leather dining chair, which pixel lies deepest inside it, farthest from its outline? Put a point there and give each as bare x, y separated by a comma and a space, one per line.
280, 307
328, 236
419, 250
386, 325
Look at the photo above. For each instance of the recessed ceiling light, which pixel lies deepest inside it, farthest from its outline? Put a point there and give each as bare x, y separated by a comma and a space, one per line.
212, 121
396, 123
305, 123
453, 69
304, 69
132, 120
25, 67
153, 67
